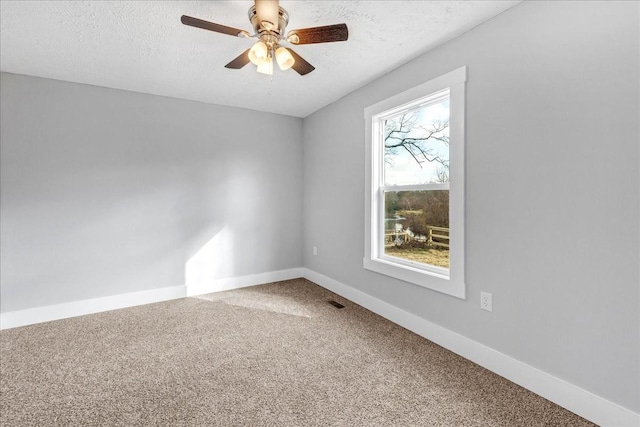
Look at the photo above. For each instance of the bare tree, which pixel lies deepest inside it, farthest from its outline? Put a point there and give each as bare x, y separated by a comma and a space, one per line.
442, 174
404, 133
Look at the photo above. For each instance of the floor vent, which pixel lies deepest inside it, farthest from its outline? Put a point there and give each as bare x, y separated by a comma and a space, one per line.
336, 304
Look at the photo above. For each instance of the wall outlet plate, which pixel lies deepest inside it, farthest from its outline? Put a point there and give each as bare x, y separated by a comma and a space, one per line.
486, 301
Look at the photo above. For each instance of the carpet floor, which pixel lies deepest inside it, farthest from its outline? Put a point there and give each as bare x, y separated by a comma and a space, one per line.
269, 355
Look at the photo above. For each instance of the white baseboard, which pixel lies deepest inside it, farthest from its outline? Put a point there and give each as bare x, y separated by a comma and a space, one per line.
30, 316
569, 396
243, 281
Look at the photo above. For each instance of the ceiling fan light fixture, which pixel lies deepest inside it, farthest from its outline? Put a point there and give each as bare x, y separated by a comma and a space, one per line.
284, 58
258, 53
266, 67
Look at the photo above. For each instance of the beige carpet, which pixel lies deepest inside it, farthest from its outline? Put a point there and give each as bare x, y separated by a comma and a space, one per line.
276, 354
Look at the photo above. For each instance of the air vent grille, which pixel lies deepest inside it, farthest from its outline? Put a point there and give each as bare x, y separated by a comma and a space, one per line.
336, 304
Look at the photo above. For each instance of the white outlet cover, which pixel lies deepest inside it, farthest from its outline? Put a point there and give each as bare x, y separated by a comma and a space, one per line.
486, 301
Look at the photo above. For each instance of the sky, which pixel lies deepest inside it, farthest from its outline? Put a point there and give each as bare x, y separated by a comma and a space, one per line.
401, 168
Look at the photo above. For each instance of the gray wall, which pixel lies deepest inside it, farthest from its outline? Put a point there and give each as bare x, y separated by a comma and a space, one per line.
552, 191
105, 192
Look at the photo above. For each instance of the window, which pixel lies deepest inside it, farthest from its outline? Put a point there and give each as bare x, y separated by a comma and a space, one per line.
415, 185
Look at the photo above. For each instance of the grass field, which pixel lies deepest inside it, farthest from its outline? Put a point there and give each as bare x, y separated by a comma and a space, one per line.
438, 257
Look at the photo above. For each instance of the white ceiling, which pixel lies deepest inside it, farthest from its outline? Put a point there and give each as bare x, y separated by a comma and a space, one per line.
141, 46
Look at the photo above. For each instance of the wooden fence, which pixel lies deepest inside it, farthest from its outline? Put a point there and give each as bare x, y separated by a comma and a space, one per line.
436, 236
392, 237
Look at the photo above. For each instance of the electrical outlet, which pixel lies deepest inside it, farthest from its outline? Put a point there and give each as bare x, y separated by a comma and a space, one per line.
315, 250
486, 301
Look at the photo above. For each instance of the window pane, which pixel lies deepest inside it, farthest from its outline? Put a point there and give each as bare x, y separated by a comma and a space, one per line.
416, 226
416, 145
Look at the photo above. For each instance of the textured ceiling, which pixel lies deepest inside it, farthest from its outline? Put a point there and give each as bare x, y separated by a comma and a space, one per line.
141, 46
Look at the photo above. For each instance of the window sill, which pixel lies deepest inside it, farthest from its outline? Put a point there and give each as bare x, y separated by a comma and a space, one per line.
420, 277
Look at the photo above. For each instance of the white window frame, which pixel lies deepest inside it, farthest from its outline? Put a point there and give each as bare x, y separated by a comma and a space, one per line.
451, 281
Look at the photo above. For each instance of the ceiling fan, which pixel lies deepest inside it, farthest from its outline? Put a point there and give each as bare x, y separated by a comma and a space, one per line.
269, 22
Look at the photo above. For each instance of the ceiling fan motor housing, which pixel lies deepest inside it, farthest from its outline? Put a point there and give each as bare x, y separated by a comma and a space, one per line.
283, 20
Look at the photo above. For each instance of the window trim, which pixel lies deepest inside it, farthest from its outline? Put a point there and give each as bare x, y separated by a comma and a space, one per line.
431, 277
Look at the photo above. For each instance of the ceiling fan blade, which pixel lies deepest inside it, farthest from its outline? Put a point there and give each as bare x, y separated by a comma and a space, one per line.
301, 66
328, 33
240, 61
206, 25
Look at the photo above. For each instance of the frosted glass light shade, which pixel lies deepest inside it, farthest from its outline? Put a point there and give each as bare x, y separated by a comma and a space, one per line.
258, 53
266, 67
284, 58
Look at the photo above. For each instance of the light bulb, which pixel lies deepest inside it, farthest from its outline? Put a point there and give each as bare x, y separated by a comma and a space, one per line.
258, 53
284, 58
267, 66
